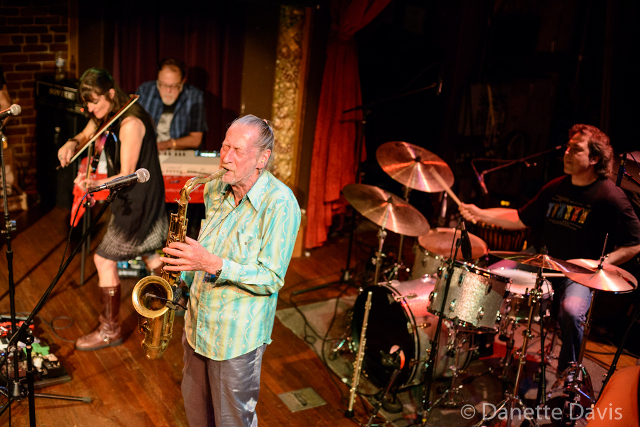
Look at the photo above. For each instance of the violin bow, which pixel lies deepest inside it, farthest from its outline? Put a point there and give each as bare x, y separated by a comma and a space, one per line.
105, 126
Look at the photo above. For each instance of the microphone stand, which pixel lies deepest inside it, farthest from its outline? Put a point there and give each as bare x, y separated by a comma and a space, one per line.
14, 389
9, 226
433, 352
622, 172
507, 163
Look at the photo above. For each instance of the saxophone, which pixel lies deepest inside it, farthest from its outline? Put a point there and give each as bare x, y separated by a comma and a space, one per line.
154, 297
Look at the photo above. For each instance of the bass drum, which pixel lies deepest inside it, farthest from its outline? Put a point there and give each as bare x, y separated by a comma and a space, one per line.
398, 318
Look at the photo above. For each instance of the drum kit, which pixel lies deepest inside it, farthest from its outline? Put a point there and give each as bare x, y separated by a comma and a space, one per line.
451, 299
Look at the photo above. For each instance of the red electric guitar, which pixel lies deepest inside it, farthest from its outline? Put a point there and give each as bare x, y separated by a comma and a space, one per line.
90, 172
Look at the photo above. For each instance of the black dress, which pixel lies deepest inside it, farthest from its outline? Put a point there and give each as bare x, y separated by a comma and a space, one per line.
138, 224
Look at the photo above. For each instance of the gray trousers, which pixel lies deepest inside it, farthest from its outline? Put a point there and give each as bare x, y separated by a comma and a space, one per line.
221, 393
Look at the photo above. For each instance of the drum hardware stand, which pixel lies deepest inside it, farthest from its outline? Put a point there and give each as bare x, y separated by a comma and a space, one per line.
433, 352
453, 391
576, 374
394, 362
513, 400
15, 388
541, 398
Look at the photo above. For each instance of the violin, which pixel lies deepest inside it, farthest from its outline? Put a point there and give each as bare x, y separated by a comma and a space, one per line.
89, 165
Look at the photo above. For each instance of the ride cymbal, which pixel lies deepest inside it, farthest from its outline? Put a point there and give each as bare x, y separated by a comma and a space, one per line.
608, 278
386, 209
410, 165
542, 260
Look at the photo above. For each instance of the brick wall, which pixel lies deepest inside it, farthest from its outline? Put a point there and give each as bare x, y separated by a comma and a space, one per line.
31, 32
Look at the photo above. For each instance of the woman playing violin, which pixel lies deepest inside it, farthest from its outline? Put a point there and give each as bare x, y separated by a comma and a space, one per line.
138, 224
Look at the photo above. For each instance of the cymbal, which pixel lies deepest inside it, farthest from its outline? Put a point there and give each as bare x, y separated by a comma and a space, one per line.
439, 241
386, 209
541, 260
609, 278
410, 165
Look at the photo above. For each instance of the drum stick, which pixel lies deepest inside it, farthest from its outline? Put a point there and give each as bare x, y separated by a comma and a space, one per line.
451, 194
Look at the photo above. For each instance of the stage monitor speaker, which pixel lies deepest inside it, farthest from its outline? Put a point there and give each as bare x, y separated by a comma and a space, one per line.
58, 118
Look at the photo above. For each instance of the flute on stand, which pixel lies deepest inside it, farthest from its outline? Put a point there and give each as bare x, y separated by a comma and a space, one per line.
358, 367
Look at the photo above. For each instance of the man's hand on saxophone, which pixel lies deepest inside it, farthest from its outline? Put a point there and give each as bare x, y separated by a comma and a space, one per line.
190, 256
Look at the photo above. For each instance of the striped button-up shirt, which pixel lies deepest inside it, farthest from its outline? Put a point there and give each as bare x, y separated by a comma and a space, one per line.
233, 314
188, 115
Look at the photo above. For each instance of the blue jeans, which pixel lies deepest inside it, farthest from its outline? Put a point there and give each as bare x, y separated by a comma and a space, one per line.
571, 302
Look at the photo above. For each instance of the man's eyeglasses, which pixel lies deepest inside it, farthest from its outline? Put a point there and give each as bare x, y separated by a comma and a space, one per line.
177, 86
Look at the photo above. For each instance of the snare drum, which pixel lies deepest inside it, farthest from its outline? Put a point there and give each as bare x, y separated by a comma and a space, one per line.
399, 317
516, 303
474, 298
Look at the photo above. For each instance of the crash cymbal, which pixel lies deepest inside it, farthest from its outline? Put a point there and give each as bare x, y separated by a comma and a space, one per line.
386, 209
410, 165
609, 278
541, 260
439, 241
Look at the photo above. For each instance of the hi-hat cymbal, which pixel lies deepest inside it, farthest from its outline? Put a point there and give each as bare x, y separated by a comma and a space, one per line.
410, 165
541, 260
440, 240
609, 278
386, 209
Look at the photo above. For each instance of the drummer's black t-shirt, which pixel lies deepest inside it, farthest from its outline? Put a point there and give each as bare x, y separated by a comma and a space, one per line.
572, 221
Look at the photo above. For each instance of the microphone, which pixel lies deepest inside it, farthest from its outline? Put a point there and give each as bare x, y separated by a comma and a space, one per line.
621, 169
439, 91
14, 110
480, 178
141, 175
465, 243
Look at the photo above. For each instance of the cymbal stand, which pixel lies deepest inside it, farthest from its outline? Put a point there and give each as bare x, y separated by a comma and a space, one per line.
398, 264
512, 400
382, 234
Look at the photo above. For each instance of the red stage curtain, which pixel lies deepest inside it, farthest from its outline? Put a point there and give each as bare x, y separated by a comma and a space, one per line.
210, 42
333, 164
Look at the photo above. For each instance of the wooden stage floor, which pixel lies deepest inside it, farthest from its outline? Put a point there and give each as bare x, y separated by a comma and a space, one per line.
128, 390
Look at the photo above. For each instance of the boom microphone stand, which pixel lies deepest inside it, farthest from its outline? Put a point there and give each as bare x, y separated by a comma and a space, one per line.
15, 392
480, 176
433, 353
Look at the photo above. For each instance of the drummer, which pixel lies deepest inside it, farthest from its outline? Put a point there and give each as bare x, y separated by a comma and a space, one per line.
572, 216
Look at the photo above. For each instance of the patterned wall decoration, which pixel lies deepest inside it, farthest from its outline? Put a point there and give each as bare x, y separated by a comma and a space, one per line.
288, 93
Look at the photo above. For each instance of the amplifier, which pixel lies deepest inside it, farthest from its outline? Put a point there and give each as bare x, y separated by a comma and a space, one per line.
58, 117
59, 94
